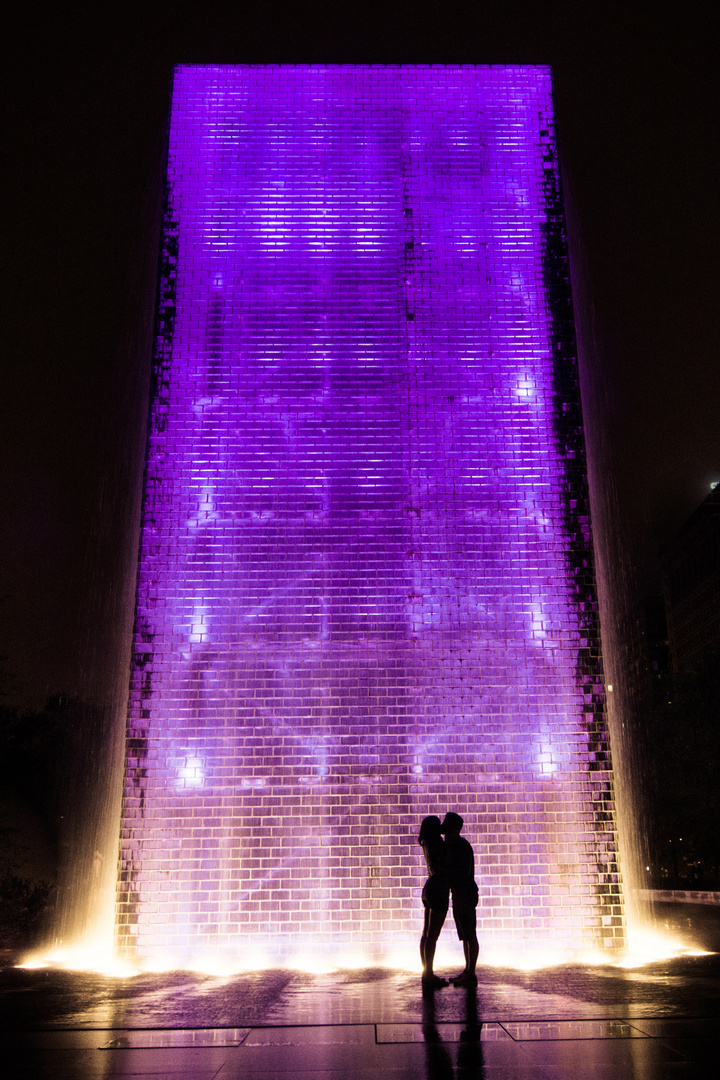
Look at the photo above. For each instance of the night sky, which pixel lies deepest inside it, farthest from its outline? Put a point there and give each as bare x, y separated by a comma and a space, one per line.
85, 103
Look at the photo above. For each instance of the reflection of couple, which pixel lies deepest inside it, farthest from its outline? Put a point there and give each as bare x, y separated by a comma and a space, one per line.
451, 869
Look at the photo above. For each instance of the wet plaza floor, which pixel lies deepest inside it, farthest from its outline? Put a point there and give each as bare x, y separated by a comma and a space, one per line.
658, 1021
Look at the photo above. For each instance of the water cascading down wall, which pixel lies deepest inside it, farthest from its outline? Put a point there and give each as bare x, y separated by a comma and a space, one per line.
366, 588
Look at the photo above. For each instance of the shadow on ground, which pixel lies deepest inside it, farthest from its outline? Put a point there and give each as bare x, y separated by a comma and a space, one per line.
52, 999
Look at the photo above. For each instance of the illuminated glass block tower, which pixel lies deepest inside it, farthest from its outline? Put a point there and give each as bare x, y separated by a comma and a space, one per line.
365, 588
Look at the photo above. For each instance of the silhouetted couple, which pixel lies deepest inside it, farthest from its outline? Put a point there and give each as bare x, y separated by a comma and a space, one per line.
451, 871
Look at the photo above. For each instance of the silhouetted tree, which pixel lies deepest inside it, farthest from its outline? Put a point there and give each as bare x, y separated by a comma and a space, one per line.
22, 901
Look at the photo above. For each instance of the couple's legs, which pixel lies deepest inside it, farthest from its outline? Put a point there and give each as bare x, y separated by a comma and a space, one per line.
431, 932
434, 921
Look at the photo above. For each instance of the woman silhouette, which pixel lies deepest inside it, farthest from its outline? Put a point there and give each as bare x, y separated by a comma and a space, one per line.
435, 897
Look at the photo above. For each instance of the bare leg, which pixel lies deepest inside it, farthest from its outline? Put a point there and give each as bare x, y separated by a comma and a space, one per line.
472, 950
431, 932
468, 977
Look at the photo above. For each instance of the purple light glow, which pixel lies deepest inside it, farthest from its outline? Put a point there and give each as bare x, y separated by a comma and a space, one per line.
365, 587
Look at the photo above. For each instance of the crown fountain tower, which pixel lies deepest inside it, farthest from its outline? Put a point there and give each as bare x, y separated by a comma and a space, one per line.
366, 589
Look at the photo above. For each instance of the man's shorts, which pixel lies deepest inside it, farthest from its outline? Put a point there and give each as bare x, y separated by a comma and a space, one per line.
465, 921
464, 913
436, 895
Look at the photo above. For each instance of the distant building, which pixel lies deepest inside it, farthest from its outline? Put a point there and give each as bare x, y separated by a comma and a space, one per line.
692, 586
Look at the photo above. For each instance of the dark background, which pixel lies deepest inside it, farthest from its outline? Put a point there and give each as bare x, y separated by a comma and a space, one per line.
85, 101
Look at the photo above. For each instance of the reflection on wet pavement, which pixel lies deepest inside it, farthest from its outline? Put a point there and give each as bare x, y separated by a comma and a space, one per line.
45, 998
576, 1022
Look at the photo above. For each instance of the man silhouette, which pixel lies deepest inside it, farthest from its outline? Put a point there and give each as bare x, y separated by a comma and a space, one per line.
461, 868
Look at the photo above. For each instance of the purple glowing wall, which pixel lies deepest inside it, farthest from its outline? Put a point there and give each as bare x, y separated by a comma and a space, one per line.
365, 587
